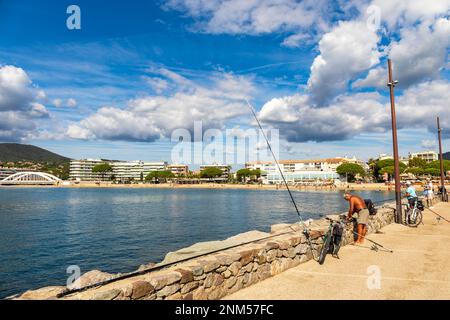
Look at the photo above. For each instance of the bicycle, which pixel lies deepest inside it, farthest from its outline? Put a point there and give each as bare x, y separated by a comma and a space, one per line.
332, 239
413, 216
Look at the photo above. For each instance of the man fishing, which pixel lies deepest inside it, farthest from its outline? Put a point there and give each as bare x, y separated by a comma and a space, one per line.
358, 205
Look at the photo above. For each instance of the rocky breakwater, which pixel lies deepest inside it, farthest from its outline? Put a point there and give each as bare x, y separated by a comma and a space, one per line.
213, 276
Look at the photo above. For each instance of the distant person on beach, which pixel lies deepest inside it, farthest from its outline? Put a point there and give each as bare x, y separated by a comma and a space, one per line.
429, 193
358, 206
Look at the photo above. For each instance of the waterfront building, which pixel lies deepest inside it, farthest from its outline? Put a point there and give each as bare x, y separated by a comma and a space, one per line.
428, 156
178, 169
122, 171
300, 170
81, 170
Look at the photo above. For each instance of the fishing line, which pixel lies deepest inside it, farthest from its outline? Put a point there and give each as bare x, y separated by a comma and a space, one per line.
305, 231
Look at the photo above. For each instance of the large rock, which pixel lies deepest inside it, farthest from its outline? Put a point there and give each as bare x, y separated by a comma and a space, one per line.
107, 295
90, 278
166, 279
141, 289
42, 294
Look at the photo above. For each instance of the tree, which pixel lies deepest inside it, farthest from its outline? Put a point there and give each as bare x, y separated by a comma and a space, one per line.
256, 173
432, 172
159, 175
350, 170
416, 171
102, 169
417, 163
378, 168
211, 172
242, 174
437, 165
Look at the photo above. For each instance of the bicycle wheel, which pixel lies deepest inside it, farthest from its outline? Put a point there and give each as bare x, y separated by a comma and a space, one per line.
415, 218
325, 248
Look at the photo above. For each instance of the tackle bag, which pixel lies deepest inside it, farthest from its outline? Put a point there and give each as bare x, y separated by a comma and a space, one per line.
371, 207
420, 205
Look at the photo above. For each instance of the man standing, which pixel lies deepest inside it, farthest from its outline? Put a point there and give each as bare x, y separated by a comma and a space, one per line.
411, 194
358, 205
429, 193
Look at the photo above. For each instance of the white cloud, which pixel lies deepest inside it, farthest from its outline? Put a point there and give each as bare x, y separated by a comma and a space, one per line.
152, 117
346, 51
407, 12
157, 84
422, 52
376, 78
350, 115
19, 106
296, 40
256, 17
428, 144
16, 92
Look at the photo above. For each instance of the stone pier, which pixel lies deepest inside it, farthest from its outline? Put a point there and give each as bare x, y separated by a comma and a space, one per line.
215, 276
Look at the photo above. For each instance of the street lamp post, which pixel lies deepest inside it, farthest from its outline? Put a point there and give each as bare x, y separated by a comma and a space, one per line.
441, 160
398, 198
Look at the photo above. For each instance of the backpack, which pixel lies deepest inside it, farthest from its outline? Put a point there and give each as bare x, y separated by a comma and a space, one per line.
370, 206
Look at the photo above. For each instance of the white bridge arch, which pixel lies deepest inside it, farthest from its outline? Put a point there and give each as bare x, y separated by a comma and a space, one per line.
30, 178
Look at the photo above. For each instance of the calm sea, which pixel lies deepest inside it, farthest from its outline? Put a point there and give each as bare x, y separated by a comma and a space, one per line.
45, 230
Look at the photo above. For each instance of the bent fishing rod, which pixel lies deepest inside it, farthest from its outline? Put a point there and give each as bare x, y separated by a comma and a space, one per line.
305, 227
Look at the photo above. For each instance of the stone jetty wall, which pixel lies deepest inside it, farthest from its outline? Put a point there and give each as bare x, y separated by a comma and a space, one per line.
217, 275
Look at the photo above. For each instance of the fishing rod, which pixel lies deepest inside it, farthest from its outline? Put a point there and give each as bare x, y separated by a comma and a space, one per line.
305, 228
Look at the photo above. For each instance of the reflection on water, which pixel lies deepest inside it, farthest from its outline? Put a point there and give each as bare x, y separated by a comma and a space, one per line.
43, 231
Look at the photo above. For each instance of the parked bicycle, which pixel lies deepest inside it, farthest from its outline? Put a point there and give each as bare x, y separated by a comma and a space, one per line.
332, 239
413, 215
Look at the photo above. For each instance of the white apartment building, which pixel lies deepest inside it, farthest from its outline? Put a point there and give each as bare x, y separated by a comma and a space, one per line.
428, 156
123, 171
81, 170
299, 170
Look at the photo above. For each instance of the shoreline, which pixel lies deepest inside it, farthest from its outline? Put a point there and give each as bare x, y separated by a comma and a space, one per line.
344, 187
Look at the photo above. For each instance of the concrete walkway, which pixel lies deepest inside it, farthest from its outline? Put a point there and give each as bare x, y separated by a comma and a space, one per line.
419, 268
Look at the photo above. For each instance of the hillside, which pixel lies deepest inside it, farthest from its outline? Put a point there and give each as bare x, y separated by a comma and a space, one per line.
14, 152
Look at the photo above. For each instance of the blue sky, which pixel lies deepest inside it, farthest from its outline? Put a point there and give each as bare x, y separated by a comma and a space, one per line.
135, 72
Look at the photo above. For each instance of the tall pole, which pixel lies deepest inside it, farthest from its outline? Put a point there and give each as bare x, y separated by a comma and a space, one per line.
398, 197
441, 159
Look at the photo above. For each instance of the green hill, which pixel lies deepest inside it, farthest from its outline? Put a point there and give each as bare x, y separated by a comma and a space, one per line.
14, 152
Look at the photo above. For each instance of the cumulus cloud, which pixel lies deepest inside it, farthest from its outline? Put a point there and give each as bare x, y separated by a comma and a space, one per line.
346, 117
398, 13
420, 54
152, 117
19, 104
350, 115
346, 51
